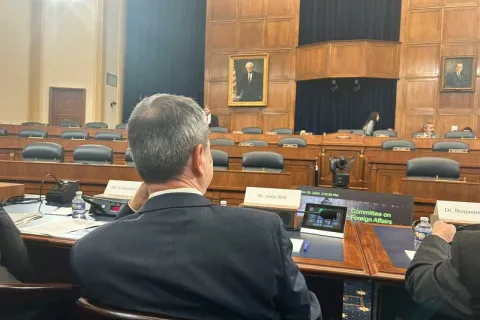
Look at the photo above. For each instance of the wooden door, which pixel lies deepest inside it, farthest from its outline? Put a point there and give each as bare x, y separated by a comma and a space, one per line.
67, 103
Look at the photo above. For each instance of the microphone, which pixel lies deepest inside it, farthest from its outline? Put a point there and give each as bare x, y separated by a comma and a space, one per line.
328, 214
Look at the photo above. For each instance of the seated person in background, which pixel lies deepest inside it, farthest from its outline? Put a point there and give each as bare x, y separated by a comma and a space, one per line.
467, 129
181, 255
428, 131
371, 122
14, 261
444, 278
212, 119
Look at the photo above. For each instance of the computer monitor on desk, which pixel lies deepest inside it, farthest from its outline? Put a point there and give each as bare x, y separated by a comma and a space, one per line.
362, 206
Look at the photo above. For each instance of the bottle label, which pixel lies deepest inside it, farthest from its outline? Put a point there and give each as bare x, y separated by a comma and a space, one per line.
421, 235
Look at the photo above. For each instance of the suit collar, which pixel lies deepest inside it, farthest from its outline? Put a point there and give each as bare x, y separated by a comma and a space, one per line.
175, 200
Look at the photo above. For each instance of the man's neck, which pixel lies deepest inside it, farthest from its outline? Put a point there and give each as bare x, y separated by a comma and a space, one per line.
174, 184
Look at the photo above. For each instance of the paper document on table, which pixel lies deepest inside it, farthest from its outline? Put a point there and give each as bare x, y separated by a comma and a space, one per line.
410, 254
56, 228
297, 245
62, 211
20, 218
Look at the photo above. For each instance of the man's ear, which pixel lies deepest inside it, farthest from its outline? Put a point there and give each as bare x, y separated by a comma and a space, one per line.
198, 160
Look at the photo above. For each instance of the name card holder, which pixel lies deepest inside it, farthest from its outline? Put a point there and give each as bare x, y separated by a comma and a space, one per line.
290, 145
306, 133
423, 137
457, 212
272, 133
401, 149
382, 136
457, 151
79, 139
30, 137
243, 144
237, 132
343, 137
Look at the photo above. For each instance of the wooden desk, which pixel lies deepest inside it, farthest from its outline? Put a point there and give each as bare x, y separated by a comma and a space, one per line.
226, 185
429, 191
14, 129
312, 141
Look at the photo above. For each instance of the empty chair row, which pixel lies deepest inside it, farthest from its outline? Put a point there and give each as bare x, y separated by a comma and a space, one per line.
444, 146
75, 124
53, 152
297, 142
254, 130
72, 134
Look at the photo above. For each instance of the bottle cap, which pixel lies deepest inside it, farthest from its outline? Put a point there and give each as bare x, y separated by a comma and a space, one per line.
424, 219
79, 193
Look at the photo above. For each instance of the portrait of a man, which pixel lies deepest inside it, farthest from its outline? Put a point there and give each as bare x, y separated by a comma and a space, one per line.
248, 80
458, 73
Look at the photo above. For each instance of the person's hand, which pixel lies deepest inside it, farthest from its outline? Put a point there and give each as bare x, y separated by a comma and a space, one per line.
444, 230
141, 196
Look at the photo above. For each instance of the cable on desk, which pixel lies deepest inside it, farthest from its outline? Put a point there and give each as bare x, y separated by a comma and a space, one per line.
41, 187
19, 200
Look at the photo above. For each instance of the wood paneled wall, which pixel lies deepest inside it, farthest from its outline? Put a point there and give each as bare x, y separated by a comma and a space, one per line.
430, 30
251, 27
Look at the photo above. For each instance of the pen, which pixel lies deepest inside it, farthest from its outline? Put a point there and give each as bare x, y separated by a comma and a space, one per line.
305, 245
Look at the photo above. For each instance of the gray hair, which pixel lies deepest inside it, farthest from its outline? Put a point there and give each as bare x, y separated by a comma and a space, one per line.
250, 62
163, 130
426, 124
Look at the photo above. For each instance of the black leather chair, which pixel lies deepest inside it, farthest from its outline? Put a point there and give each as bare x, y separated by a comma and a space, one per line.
354, 131
252, 130
108, 135
300, 142
87, 311
460, 135
391, 144
69, 123
219, 129
421, 134
97, 125
74, 134
256, 143
93, 154
220, 160
445, 146
37, 301
33, 133
129, 158
34, 124
283, 131
433, 167
388, 133
3, 132
43, 151
262, 161
222, 142
122, 126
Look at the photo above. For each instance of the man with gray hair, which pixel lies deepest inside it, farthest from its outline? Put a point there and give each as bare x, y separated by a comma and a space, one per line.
180, 255
250, 87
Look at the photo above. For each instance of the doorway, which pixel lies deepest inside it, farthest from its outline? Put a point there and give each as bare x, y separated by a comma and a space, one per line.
67, 103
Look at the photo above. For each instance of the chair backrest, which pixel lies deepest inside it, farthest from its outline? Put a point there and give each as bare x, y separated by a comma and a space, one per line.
3, 132
74, 134
108, 135
97, 125
450, 145
34, 124
219, 129
33, 133
300, 142
256, 143
46, 301
122, 126
69, 123
220, 159
354, 131
88, 311
43, 151
222, 142
388, 133
397, 143
460, 135
129, 158
252, 130
432, 167
93, 154
263, 161
283, 131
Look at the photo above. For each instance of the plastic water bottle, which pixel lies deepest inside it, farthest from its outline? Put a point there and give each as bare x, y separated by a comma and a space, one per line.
421, 230
223, 203
78, 206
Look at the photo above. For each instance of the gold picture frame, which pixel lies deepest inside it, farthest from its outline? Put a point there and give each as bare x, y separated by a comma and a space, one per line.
248, 80
458, 73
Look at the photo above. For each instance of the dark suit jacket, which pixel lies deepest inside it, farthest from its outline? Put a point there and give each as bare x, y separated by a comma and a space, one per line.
13, 253
252, 91
185, 257
213, 121
453, 81
446, 279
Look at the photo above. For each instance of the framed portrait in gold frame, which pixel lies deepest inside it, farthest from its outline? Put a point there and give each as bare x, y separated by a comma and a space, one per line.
248, 80
458, 73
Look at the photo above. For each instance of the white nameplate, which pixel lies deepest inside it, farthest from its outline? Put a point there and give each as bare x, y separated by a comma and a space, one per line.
306, 133
458, 211
237, 132
121, 188
381, 135
245, 144
272, 133
401, 149
290, 145
457, 150
269, 197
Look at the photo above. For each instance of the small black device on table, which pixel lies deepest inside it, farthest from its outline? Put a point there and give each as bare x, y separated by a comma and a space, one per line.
104, 206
